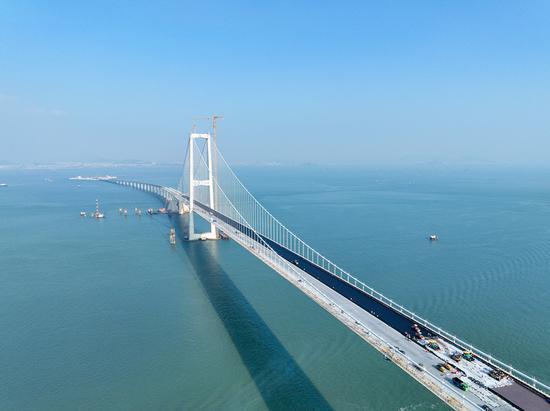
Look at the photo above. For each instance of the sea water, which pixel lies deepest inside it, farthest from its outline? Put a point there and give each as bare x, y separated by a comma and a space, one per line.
107, 315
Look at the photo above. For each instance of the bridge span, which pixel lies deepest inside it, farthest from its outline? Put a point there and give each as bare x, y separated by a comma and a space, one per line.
413, 343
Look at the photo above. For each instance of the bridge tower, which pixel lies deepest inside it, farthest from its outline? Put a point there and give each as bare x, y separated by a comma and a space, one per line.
193, 183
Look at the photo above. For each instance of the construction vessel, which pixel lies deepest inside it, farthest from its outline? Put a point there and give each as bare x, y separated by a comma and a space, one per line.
97, 213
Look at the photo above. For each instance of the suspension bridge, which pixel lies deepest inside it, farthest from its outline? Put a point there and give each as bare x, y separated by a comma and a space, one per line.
463, 376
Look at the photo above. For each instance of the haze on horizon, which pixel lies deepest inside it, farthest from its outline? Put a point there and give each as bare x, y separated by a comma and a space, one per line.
297, 82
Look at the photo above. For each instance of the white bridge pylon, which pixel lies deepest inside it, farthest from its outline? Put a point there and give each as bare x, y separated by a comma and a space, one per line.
195, 182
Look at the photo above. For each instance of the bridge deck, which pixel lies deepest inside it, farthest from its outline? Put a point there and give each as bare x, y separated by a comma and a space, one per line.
380, 324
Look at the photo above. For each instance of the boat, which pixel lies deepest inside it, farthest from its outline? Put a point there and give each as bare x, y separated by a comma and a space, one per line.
172, 236
433, 237
3, 185
97, 213
83, 214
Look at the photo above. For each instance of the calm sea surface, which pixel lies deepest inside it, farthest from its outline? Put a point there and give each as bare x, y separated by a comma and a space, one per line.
106, 315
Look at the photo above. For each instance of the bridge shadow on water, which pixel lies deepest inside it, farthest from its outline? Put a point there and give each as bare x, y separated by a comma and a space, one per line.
279, 379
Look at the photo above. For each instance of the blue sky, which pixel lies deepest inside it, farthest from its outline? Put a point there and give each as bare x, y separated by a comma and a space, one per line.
297, 82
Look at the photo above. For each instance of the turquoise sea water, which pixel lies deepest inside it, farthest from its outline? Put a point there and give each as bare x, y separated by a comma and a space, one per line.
106, 315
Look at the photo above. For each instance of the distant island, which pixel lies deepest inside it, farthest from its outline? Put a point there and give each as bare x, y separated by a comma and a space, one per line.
94, 178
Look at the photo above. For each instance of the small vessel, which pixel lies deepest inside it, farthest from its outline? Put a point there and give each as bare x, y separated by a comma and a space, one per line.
125, 213
3, 185
97, 213
83, 214
433, 237
172, 236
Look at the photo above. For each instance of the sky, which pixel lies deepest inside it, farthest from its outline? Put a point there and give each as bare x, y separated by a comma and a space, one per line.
355, 83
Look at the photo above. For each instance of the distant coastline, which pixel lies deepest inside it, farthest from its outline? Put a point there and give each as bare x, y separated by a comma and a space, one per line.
81, 165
